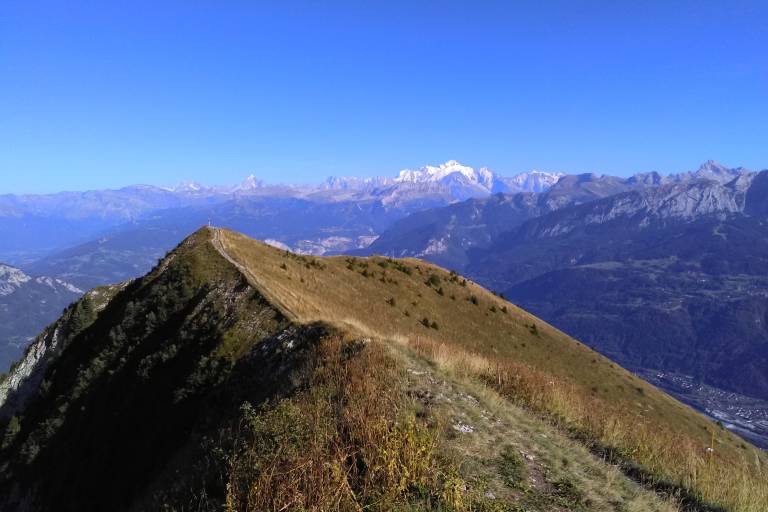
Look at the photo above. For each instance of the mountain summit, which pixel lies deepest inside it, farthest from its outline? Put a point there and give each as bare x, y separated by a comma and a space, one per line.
433, 174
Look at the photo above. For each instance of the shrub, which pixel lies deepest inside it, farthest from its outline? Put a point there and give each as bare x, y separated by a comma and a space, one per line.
11, 431
338, 445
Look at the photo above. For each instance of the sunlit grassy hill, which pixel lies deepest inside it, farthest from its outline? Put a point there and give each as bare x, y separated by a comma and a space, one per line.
464, 327
240, 376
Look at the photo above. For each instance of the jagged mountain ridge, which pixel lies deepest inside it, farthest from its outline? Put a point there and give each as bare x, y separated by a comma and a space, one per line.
446, 234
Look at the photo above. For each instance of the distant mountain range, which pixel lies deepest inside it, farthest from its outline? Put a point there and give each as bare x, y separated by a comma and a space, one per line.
602, 257
445, 235
34, 226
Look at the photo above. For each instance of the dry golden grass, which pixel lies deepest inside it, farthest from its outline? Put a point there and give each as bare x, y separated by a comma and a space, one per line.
350, 441
461, 326
662, 451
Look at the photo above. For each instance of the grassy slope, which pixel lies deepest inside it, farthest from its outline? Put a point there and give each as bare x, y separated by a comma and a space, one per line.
372, 297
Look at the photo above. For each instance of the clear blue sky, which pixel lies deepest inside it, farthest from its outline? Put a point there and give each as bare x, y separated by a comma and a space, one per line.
95, 95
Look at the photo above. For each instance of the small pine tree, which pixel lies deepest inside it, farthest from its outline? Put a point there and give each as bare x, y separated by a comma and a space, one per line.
11, 431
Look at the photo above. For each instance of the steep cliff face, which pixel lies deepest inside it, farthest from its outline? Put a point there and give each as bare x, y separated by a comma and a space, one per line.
647, 207
25, 376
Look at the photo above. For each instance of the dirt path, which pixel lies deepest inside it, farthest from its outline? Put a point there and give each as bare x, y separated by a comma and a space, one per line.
250, 277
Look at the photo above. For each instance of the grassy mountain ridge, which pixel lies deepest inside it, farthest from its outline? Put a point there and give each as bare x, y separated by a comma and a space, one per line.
471, 319
241, 376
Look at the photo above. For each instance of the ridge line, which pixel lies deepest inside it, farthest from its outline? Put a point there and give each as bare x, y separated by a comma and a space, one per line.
250, 277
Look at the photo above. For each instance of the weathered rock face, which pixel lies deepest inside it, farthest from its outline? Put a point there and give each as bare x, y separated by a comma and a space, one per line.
28, 304
678, 202
24, 378
34, 361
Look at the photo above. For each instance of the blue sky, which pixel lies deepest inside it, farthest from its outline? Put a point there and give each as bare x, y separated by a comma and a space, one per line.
95, 95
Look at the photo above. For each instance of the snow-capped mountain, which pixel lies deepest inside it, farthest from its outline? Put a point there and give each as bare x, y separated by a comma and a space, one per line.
449, 170
250, 183
533, 181
189, 187
451, 180
482, 180
11, 279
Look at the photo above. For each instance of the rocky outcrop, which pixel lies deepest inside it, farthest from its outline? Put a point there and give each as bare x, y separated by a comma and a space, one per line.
25, 377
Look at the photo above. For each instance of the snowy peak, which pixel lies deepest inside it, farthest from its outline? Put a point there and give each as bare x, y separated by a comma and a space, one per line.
189, 187
250, 183
432, 174
533, 181
11, 279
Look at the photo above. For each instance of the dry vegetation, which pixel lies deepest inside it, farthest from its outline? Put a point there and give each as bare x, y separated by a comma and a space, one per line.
473, 333
350, 441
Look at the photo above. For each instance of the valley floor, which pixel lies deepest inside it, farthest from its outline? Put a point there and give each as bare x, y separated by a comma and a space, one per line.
745, 415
